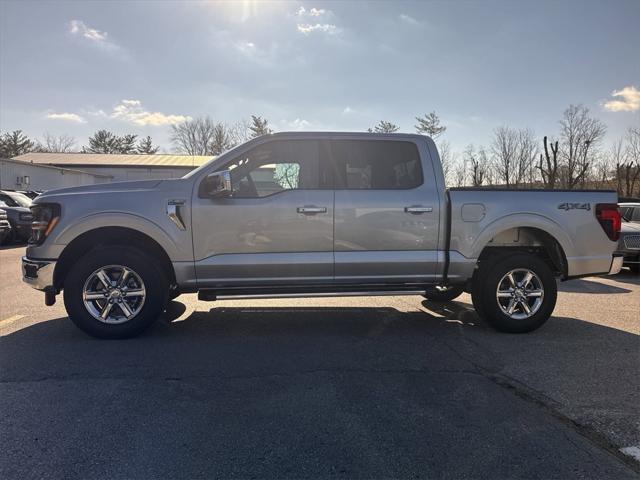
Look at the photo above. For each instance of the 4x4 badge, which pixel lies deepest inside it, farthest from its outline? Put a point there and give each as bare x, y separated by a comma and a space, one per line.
574, 206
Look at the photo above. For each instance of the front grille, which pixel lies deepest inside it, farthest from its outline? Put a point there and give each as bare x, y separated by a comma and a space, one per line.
632, 242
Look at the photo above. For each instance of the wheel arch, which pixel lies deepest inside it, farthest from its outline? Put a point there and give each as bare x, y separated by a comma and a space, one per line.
543, 238
109, 236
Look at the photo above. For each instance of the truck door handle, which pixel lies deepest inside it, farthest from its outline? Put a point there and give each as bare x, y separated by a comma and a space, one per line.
311, 210
417, 209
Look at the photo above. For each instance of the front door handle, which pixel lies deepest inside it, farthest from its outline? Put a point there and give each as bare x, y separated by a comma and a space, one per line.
417, 209
311, 210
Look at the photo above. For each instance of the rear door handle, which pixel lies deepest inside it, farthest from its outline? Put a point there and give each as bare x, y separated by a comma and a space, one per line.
311, 210
417, 209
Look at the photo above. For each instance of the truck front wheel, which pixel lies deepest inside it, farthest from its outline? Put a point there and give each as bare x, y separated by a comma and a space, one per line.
516, 294
115, 292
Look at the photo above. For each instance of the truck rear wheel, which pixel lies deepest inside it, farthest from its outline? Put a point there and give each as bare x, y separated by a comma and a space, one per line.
115, 292
516, 294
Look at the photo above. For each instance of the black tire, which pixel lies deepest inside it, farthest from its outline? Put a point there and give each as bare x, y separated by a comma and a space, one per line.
492, 276
443, 294
478, 280
156, 288
635, 267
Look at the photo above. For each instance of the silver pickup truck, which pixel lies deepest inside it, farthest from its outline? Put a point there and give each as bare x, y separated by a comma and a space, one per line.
314, 214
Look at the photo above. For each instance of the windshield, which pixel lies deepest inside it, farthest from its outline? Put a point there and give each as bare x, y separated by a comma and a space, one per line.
20, 199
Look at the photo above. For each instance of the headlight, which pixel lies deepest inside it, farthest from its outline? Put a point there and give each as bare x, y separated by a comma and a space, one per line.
45, 217
25, 217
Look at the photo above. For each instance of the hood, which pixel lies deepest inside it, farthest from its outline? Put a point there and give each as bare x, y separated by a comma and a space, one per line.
630, 227
111, 187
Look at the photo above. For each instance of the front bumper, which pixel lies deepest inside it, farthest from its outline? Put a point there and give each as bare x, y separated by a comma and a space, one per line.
38, 273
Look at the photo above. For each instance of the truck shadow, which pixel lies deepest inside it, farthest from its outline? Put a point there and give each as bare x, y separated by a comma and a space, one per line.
588, 286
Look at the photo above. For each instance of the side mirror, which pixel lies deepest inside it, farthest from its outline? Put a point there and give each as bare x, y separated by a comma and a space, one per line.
216, 185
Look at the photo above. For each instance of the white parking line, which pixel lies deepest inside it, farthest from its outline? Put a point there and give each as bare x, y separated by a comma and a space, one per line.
12, 319
632, 451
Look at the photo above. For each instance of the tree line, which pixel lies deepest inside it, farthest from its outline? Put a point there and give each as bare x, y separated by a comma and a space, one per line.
572, 157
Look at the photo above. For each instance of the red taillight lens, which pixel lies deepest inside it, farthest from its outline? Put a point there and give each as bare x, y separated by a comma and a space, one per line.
609, 217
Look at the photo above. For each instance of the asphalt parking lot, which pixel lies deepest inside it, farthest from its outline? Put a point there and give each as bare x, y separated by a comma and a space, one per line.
366, 387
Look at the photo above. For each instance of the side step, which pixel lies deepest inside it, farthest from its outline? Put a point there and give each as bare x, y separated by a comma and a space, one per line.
211, 295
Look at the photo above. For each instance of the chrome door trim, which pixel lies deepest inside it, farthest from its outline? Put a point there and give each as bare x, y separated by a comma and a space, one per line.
418, 209
174, 214
311, 210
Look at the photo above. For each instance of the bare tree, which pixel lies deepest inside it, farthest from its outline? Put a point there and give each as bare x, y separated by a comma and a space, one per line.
526, 153
579, 135
549, 168
194, 137
446, 159
384, 127
429, 124
56, 144
631, 168
477, 165
504, 149
240, 132
222, 139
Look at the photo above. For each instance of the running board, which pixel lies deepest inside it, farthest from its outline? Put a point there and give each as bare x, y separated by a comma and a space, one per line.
212, 295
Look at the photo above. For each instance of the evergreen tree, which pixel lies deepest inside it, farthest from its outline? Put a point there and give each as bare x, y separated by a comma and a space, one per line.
103, 141
259, 126
146, 147
384, 127
127, 143
14, 144
430, 125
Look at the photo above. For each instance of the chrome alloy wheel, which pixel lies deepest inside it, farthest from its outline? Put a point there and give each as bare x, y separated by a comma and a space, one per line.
520, 293
114, 294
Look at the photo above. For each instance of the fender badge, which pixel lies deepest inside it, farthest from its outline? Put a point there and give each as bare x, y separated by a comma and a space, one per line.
574, 206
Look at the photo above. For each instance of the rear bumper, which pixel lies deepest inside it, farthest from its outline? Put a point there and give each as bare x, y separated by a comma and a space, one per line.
38, 273
616, 264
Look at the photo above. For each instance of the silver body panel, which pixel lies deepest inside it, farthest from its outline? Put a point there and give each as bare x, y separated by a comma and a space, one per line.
364, 236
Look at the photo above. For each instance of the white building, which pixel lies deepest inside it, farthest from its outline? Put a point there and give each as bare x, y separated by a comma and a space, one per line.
18, 175
119, 167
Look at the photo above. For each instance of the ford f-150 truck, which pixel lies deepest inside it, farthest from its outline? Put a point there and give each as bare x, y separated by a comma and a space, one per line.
314, 214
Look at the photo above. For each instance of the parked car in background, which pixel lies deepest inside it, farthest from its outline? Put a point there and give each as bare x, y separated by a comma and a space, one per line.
17, 207
629, 242
5, 226
29, 193
630, 211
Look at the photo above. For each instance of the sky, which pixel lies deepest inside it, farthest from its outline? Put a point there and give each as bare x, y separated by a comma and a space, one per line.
139, 67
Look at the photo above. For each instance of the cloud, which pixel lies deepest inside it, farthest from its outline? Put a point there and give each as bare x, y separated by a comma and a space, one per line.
131, 111
630, 100
408, 19
307, 28
314, 12
347, 110
308, 21
93, 36
67, 117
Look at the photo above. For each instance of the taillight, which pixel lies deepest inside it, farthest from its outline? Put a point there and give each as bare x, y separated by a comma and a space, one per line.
608, 215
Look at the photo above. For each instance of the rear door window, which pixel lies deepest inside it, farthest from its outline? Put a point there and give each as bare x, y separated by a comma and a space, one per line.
376, 165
